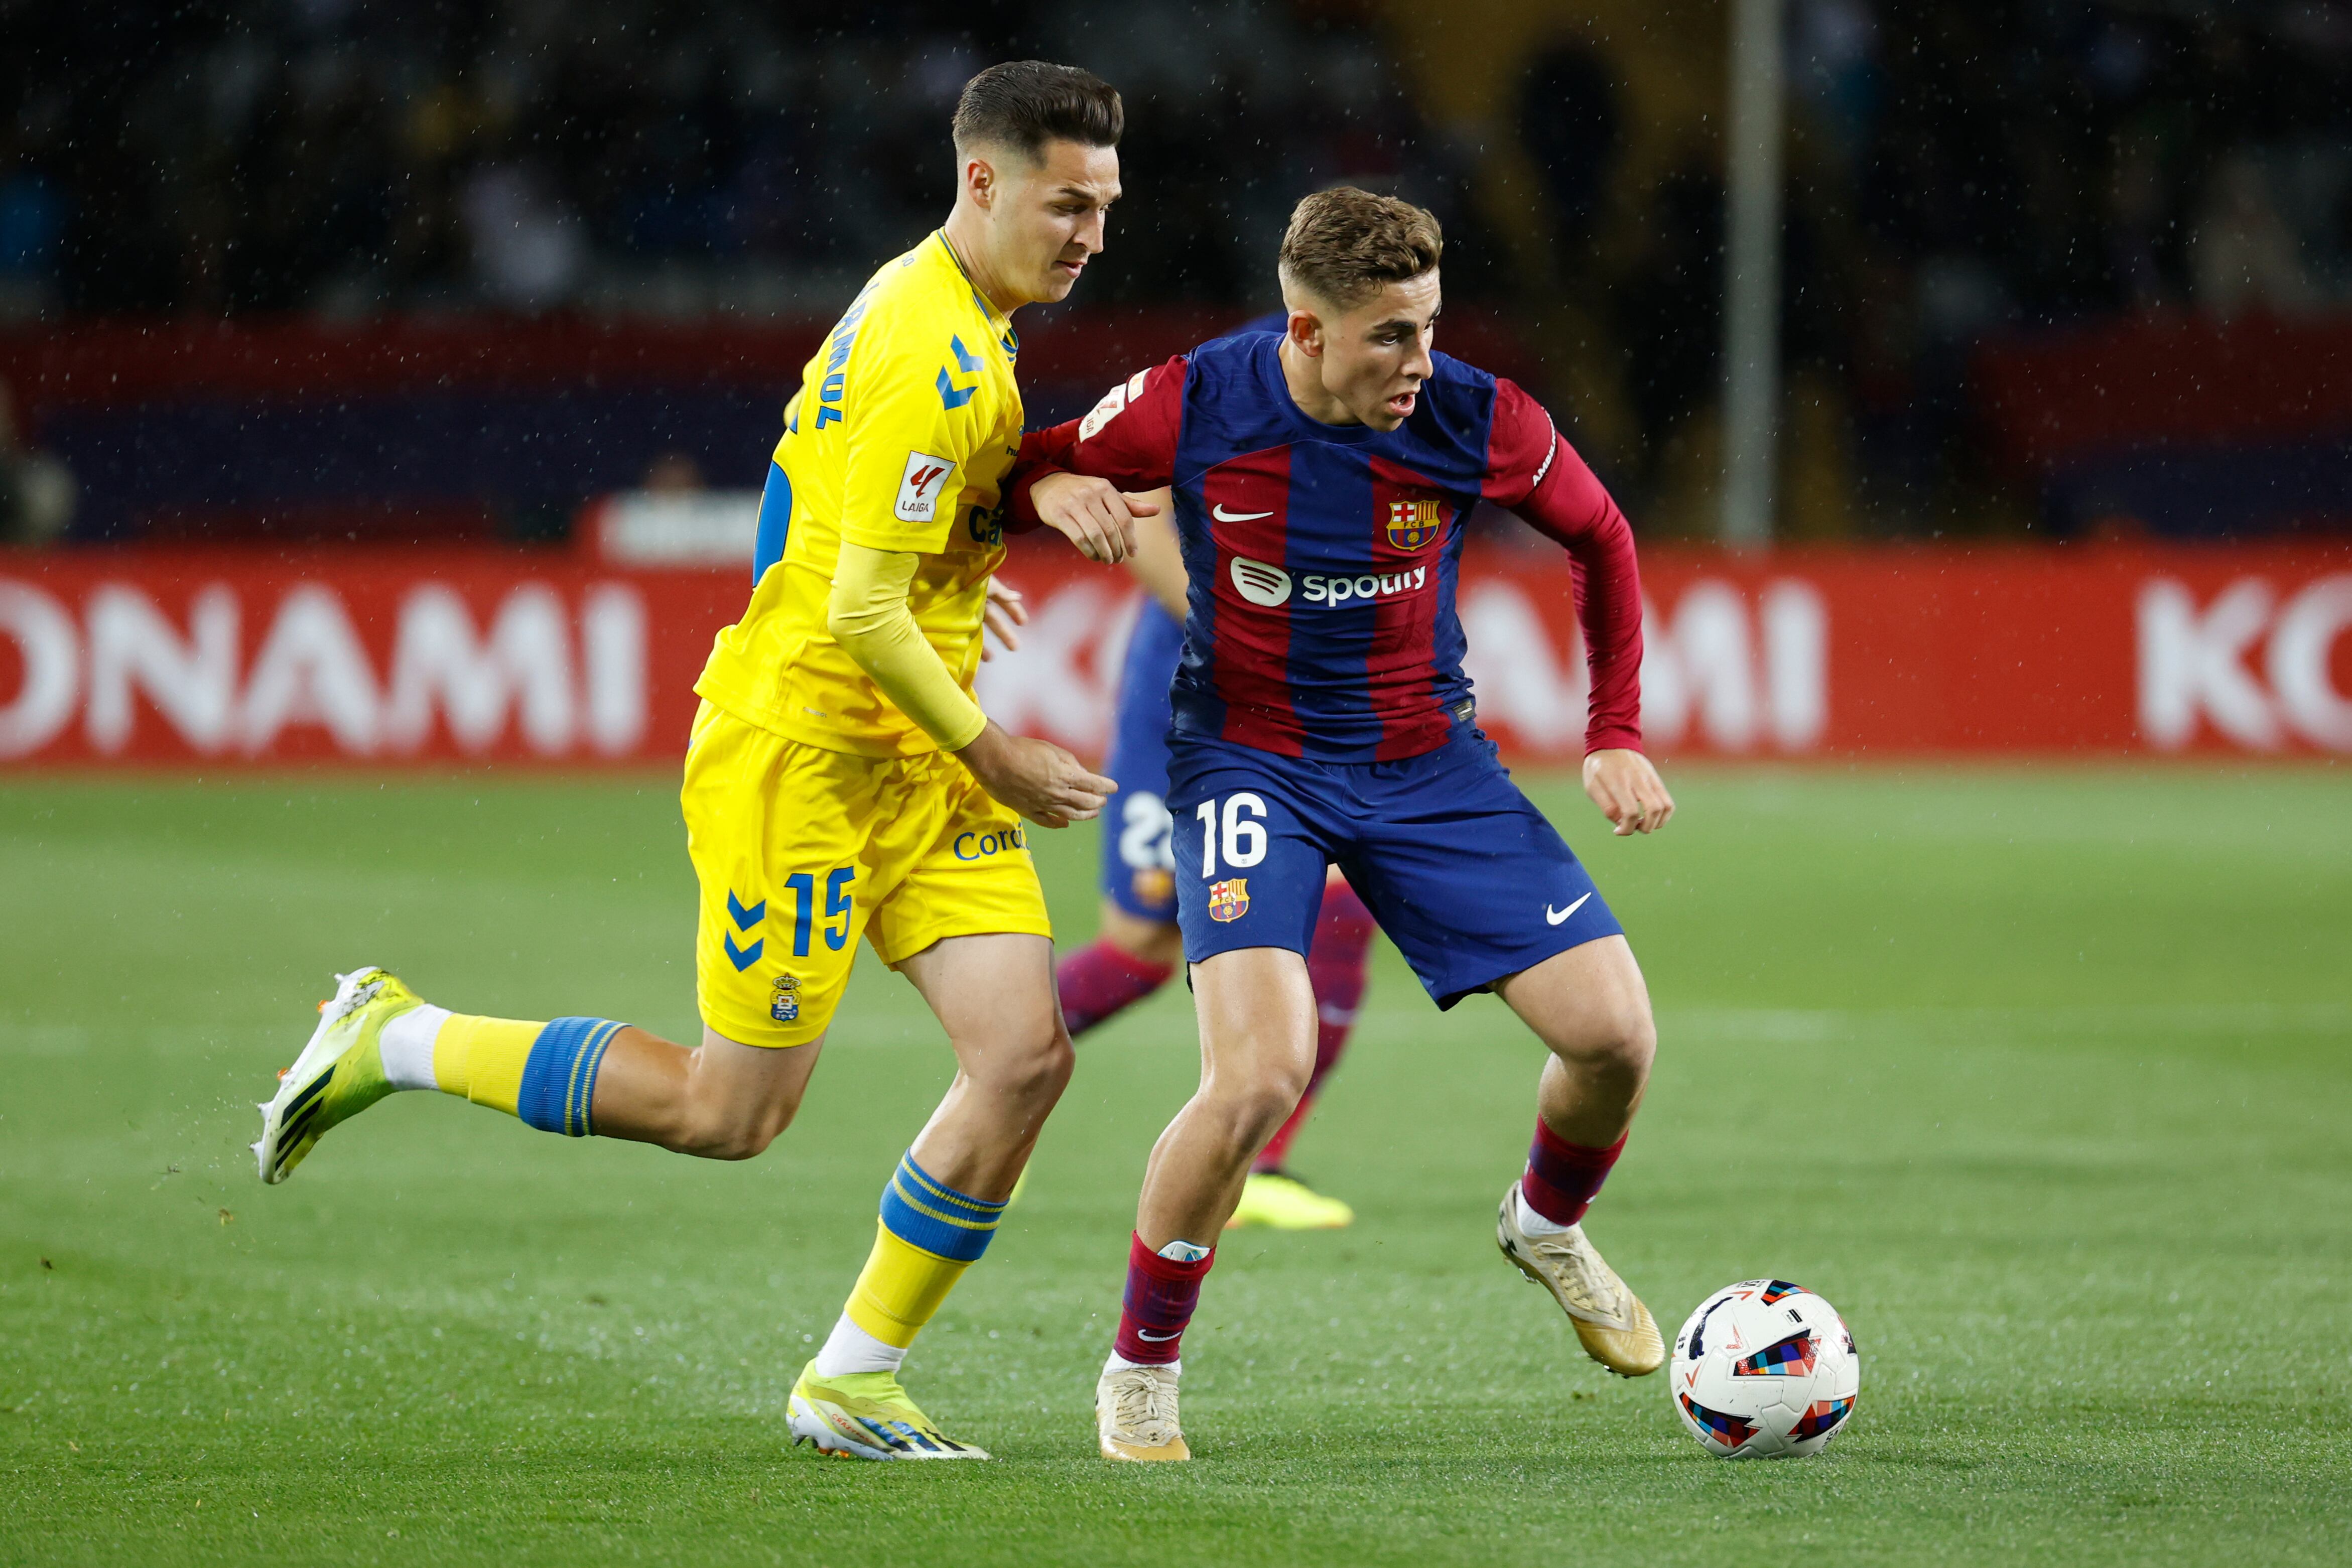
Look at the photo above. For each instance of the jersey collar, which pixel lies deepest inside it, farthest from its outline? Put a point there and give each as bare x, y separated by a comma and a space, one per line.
998, 323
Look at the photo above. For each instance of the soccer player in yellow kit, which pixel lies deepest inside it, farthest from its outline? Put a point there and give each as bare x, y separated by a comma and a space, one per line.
841, 780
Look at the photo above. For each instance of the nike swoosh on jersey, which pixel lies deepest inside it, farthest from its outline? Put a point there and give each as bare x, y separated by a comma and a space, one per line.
1553, 915
1221, 515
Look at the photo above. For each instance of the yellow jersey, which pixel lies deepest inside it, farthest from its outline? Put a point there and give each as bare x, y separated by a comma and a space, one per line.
906, 424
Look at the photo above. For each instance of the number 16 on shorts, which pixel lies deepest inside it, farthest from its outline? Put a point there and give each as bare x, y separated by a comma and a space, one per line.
1252, 861
1243, 823
1254, 879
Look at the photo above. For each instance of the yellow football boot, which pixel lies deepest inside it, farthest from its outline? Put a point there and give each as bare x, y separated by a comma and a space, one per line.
1135, 1415
1284, 1203
866, 1416
338, 1074
1616, 1329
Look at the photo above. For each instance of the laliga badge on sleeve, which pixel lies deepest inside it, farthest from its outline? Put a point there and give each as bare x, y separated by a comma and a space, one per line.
1229, 899
919, 486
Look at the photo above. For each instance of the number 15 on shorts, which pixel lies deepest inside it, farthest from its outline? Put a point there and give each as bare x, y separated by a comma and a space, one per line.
1243, 819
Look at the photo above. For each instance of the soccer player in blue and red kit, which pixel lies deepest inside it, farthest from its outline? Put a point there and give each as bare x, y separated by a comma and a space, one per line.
1321, 718
1138, 941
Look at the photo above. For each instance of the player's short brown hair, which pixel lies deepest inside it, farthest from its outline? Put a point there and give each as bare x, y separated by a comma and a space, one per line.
1024, 104
1345, 245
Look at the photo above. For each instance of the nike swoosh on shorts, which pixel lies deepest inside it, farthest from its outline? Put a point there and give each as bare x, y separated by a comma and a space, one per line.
1553, 915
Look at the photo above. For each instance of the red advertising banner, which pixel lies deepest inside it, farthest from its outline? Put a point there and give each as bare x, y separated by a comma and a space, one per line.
388, 657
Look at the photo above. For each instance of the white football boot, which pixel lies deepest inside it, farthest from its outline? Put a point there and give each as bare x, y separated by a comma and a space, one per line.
1135, 1415
1616, 1329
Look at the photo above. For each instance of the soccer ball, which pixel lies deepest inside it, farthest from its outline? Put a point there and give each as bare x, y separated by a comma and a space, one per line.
1765, 1369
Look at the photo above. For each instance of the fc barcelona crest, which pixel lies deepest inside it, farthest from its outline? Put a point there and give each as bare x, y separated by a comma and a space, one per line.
1229, 899
1413, 524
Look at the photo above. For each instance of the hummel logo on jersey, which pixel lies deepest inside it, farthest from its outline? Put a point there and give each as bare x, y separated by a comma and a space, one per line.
1221, 515
919, 486
1553, 915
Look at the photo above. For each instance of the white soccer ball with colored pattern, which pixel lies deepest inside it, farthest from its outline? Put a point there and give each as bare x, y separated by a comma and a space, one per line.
1764, 1370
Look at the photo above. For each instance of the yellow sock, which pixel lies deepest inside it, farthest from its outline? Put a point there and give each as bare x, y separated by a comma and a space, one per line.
544, 1073
899, 1288
928, 1236
482, 1059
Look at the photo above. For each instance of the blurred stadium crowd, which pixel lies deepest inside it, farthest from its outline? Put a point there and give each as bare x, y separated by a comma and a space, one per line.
1959, 170
339, 155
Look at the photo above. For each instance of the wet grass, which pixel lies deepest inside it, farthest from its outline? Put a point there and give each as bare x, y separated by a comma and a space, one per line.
2044, 1078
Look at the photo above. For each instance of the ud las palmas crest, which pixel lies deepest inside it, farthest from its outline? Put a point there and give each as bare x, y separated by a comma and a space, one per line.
1229, 899
1413, 524
786, 1007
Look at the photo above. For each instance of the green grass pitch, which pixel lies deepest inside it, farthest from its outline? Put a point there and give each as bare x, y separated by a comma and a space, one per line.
2043, 1077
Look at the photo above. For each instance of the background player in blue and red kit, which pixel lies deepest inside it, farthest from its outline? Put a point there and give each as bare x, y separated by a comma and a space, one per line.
1321, 716
1139, 940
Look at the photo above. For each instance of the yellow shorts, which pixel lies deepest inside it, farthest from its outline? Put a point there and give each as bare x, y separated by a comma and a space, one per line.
800, 850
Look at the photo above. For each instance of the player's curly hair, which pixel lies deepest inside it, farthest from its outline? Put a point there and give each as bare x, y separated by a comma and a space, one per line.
1024, 104
1345, 245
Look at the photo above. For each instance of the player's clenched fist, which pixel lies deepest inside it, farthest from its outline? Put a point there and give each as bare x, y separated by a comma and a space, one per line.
1628, 791
1036, 778
1093, 514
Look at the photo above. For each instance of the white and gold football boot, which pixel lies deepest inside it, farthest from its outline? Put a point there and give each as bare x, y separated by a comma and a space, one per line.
1615, 1329
1135, 1415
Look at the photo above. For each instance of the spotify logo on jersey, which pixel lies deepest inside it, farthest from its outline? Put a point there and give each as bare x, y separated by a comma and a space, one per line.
1259, 583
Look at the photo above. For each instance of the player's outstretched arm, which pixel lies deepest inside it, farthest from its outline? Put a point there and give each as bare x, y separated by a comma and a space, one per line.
1093, 514
1086, 477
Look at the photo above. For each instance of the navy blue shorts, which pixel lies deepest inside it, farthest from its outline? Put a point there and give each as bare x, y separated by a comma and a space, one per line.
1138, 873
1462, 872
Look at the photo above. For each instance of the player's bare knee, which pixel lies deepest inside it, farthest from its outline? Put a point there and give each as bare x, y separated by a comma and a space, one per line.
1619, 1040
719, 1135
1635, 1044
1032, 1066
1249, 1107
739, 1143
1045, 1073
1268, 1112
713, 1127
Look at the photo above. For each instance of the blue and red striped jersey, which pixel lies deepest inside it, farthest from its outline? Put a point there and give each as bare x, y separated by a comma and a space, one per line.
1322, 558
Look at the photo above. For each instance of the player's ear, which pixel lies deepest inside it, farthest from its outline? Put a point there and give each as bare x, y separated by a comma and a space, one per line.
980, 180
1305, 333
